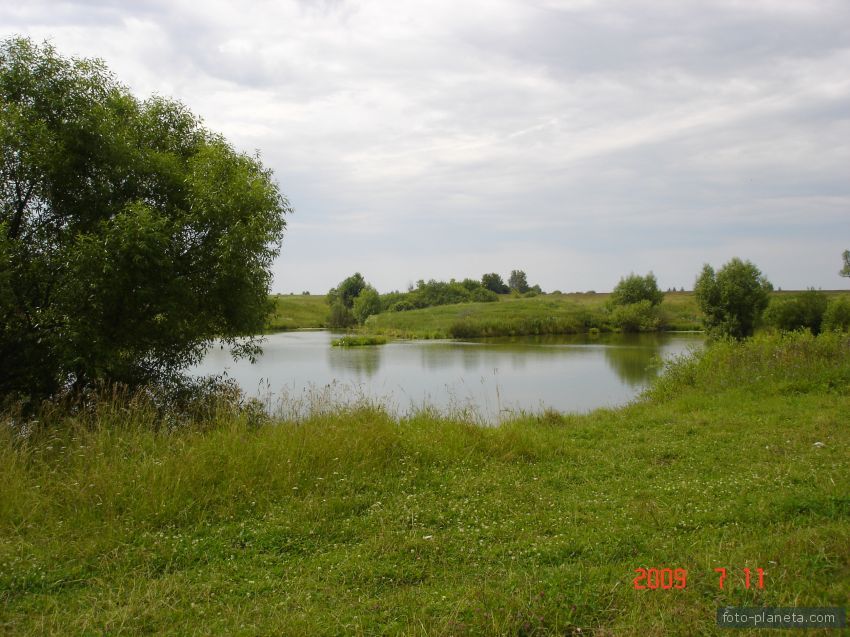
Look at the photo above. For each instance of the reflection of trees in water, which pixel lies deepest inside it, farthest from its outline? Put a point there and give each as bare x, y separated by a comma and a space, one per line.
475, 357
436, 356
630, 356
632, 360
362, 360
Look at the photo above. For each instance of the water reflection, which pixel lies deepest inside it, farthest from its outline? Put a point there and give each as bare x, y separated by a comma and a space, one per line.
363, 361
635, 363
635, 358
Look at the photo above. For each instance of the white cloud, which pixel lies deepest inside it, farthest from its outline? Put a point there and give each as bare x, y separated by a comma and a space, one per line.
416, 138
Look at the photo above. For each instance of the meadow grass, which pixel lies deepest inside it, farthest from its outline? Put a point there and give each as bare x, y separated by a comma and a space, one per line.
351, 522
514, 316
572, 313
297, 312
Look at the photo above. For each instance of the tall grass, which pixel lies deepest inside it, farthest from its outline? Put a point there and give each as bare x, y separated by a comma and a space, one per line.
538, 326
767, 363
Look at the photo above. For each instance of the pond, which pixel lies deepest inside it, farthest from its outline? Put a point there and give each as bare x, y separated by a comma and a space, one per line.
487, 377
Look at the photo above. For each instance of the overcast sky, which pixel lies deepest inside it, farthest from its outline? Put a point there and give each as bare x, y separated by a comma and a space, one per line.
574, 139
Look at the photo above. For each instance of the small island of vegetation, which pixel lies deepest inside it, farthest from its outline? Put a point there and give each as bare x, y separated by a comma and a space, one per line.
358, 340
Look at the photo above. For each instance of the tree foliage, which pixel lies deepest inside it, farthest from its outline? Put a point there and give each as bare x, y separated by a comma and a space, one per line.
471, 284
837, 315
367, 303
733, 298
845, 270
518, 281
431, 293
130, 235
341, 300
494, 283
348, 290
641, 316
340, 316
801, 311
635, 288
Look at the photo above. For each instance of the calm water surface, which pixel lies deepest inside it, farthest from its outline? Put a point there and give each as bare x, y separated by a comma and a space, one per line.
569, 373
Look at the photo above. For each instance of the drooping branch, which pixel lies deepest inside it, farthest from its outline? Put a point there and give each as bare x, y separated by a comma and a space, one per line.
21, 203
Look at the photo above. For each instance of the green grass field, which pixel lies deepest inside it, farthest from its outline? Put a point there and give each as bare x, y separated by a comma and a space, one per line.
353, 523
545, 314
298, 312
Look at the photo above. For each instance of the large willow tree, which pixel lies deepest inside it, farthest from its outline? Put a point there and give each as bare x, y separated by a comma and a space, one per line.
130, 236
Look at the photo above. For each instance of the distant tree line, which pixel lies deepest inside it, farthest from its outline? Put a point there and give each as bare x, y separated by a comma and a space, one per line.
354, 300
735, 300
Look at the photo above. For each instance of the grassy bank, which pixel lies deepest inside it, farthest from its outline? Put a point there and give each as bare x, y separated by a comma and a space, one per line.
351, 522
545, 314
510, 316
293, 312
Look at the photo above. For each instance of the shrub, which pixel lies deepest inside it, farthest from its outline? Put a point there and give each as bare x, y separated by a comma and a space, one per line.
480, 295
471, 284
402, 306
341, 300
803, 311
732, 299
441, 293
347, 290
837, 315
635, 288
438, 293
494, 283
340, 316
366, 304
636, 317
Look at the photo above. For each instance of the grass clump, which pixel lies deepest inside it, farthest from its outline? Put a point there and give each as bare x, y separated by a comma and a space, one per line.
351, 521
358, 340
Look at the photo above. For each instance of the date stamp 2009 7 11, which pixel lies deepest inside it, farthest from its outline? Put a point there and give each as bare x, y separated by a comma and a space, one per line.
662, 578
